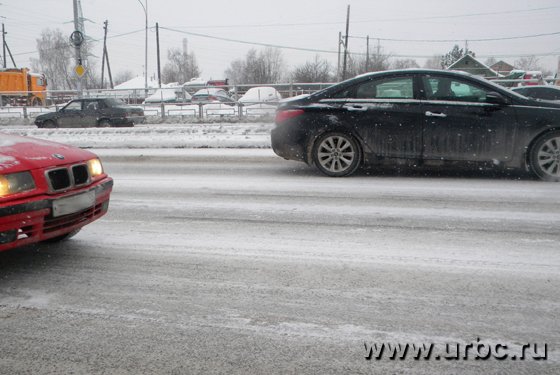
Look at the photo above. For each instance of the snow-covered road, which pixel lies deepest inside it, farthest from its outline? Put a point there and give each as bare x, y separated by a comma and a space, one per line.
236, 261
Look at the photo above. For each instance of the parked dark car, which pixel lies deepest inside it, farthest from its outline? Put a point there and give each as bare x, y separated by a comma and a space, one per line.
539, 92
429, 117
100, 112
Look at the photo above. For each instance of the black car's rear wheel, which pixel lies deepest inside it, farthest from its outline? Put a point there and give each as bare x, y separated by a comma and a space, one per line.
337, 154
544, 159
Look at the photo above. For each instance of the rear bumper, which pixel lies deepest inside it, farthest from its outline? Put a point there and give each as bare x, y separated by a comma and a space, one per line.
30, 222
288, 143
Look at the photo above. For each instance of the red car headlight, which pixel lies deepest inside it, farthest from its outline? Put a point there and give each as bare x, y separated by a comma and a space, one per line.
15, 183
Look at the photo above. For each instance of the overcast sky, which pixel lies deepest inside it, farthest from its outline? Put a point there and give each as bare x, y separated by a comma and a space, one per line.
310, 24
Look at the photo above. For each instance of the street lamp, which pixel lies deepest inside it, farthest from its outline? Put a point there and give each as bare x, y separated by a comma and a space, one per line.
145, 8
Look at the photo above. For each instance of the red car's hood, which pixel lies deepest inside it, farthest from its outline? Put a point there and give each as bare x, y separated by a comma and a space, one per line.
23, 153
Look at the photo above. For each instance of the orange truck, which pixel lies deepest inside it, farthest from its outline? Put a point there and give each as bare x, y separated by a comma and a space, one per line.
21, 87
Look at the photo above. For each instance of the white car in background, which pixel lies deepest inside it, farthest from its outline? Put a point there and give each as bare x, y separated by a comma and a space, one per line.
260, 95
169, 93
260, 101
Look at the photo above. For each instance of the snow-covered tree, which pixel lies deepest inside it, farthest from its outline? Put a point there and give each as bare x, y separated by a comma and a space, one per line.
317, 70
181, 66
263, 67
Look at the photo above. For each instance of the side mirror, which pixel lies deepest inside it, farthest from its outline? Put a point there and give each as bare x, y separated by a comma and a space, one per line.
496, 98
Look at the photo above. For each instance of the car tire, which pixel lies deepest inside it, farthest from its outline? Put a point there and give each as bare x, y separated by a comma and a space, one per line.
63, 237
337, 154
103, 124
49, 124
544, 157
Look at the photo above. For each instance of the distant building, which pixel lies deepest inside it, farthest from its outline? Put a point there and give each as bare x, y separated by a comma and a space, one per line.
471, 65
502, 67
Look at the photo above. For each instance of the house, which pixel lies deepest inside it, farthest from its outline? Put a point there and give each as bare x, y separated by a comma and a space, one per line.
502, 67
471, 65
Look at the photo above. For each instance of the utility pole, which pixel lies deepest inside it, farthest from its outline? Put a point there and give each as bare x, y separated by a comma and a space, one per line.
346, 43
77, 47
105, 57
367, 54
104, 51
338, 61
145, 8
158, 58
4, 45
159, 67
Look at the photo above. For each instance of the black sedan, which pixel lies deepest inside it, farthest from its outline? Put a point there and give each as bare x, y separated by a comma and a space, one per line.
428, 117
100, 112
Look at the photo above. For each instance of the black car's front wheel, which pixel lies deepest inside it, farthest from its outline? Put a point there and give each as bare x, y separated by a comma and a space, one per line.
544, 158
337, 154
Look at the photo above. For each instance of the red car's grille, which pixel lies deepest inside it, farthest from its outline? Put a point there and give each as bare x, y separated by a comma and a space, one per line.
68, 177
59, 179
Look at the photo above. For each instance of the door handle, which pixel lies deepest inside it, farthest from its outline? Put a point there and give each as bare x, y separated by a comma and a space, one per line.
432, 114
356, 108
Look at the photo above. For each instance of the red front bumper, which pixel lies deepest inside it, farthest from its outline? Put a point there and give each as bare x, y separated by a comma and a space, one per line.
32, 221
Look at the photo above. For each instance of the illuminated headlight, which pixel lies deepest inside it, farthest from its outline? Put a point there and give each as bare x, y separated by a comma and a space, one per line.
95, 167
16, 183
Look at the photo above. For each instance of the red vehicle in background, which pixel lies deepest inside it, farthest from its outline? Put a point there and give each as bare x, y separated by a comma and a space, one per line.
48, 191
533, 78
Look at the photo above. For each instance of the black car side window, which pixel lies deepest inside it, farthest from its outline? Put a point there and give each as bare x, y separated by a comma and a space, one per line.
449, 89
385, 88
91, 106
74, 106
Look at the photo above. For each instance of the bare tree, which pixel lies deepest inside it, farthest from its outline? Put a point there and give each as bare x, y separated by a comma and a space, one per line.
55, 59
266, 66
404, 64
527, 63
181, 66
318, 70
490, 61
123, 76
433, 62
377, 61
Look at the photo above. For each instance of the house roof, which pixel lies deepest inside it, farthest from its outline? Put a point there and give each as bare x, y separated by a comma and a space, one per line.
502, 66
471, 65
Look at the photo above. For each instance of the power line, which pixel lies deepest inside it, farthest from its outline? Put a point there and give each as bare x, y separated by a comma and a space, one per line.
327, 51
370, 21
93, 40
247, 42
466, 15
460, 40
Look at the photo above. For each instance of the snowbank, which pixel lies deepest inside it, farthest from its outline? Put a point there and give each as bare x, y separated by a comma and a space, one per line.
217, 135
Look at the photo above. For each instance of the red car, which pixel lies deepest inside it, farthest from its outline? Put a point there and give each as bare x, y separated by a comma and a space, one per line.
48, 191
